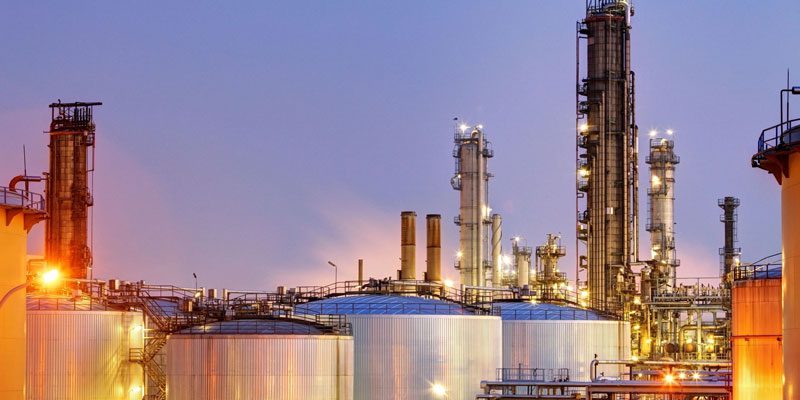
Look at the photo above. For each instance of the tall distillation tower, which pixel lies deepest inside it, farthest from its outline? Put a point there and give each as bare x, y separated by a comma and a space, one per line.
661, 222
68, 197
607, 156
472, 151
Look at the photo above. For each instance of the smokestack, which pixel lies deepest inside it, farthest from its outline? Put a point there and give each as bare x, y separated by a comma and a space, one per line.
408, 245
729, 253
434, 225
360, 271
497, 237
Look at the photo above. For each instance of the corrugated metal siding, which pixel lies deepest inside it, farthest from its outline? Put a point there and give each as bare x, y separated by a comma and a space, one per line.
81, 355
259, 367
401, 356
566, 344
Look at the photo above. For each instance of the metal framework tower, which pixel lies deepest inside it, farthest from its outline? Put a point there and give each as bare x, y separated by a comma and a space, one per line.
606, 152
472, 151
661, 221
729, 253
68, 197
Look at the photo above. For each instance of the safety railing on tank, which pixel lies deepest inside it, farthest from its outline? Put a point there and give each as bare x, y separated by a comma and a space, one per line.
21, 198
778, 135
571, 314
533, 374
384, 308
760, 271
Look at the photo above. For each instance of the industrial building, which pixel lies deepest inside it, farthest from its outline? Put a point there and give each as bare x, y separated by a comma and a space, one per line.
513, 327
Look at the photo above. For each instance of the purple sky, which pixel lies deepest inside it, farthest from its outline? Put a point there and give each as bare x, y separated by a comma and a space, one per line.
251, 142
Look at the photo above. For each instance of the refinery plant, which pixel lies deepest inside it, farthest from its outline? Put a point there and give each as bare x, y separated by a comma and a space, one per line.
514, 326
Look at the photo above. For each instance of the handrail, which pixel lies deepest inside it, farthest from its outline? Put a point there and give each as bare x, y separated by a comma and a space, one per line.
777, 139
21, 198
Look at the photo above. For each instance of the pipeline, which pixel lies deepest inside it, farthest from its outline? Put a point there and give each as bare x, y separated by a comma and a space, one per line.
22, 178
691, 364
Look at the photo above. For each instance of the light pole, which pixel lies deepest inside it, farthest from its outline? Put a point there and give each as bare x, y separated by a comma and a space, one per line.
335, 272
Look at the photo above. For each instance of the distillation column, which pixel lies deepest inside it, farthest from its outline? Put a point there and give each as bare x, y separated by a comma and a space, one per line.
661, 224
522, 260
607, 155
779, 154
547, 256
729, 254
471, 178
72, 135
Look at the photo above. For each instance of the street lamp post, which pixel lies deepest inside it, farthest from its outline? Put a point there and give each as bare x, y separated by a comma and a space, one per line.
335, 272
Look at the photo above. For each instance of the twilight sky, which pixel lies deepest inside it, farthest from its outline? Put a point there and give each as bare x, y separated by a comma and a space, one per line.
251, 142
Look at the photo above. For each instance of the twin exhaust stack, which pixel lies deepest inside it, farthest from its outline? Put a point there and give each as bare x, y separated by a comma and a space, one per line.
408, 246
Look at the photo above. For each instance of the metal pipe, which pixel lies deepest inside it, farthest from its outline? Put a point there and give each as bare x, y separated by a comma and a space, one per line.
22, 178
497, 237
434, 255
408, 245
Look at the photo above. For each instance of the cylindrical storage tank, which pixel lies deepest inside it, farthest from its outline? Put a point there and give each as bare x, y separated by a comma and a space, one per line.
413, 348
551, 336
82, 351
756, 336
259, 359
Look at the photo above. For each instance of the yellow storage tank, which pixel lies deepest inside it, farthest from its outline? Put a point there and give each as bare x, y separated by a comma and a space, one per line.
756, 335
19, 211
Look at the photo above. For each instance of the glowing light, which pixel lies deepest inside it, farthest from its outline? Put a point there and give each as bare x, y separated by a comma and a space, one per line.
682, 375
670, 132
695, 376
634, 358
669, 379
136, 329
463, 127
637, 300
448, 283
655, 180
583, 172
637, 327
50, 277
480, 126
584, 294
653, 133
459, 254
648, 340
689, 340
517, 238
583, 128
506, 259
710, 339
135, 390
438, 390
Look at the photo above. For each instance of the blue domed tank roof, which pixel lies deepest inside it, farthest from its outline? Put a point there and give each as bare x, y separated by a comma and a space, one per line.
382, 305
528, 311
254, 327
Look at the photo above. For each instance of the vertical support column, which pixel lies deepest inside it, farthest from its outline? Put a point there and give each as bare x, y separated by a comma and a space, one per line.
790, 234
497, 237
408, 245
434, 255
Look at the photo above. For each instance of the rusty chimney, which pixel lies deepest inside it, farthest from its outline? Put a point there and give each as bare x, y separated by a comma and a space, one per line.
434, 229
408, 245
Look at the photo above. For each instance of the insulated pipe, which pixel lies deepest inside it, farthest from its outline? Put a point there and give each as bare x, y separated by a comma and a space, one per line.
497, 237
408, 245
434, 258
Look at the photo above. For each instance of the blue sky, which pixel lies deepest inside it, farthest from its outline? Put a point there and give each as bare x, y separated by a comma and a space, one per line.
251, 142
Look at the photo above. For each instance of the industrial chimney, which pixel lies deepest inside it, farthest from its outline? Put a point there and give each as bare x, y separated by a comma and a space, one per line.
497, 237
68, 198
729, 254
408, 245
434, 258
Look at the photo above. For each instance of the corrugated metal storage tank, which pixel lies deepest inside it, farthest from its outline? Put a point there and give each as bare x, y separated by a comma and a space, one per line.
551, 336
259, 359
406, 345
756, 334
78, 350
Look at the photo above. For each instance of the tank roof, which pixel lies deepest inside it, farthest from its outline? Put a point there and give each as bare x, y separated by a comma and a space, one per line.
255, 327
383, 305
527, 311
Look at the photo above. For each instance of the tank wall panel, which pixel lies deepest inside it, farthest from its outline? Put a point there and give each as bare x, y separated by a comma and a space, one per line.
402, 356
82, 355
566, 344
255, 367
